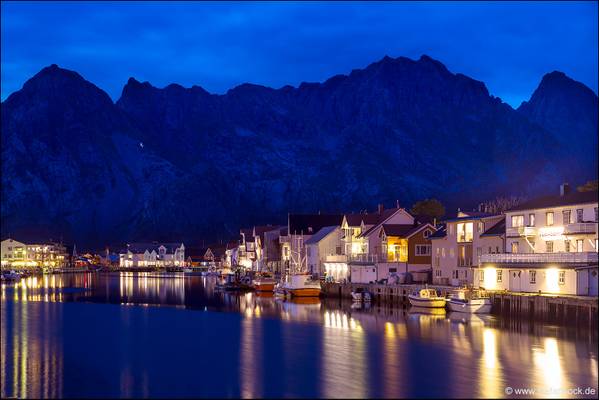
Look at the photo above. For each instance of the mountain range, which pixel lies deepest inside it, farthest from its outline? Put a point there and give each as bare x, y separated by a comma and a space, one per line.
179, 163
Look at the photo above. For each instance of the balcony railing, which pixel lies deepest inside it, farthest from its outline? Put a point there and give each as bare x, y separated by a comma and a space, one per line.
520, 231
336, 258
531, 258
580, 227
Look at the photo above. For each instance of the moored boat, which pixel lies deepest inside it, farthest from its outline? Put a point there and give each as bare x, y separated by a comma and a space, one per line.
469, 301
264, 283
359, 294
302, 285
427, 298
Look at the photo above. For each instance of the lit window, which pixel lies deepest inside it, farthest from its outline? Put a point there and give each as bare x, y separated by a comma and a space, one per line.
533, 276
549, 218
549, 247
531, 219
517, 221
515, 247
579, 245
499, 276
566, 215
481, 275
562, 277
426, 233
579, 215
567, 245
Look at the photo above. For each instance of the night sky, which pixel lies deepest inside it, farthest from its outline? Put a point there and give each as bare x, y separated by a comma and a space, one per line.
509, 46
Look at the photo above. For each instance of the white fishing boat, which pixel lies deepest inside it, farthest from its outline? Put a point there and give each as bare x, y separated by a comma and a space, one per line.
427, 298
302, 285
187, 270
469, 301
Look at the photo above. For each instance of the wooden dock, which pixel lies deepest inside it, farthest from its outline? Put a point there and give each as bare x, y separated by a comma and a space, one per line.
561, 309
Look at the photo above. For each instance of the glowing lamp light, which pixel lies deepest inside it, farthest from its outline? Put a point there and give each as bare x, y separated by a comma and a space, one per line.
552, 280
490, 278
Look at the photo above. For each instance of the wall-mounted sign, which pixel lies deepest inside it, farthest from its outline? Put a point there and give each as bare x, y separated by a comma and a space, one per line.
552, 233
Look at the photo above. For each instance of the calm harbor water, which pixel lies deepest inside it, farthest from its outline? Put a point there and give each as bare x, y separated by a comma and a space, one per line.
126, 335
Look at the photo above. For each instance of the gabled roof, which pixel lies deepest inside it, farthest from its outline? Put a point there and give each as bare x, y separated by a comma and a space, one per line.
496, 230
259, 230
403, 230
472, 216
139, 248
382, 217
309, 224
572, 198
321, 234
440, 233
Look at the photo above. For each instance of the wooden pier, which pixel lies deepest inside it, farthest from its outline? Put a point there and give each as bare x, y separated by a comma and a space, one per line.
539, 307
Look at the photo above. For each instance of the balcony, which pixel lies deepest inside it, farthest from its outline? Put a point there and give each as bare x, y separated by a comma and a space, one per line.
516, 231
580, 227
336, 258
540, 258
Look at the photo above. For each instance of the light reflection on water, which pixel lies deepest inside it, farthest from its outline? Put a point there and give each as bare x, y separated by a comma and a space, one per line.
60, 338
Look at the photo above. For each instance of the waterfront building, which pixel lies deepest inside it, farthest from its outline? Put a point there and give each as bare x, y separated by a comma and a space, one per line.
19, 255
405, 247
300, 228
459, 244
231, 254
152, 254
260, 262
271, 248
550, 246
325, 243
247, 248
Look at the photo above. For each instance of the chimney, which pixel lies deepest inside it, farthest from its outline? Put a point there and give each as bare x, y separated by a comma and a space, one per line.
381, 208
396, 203
564, 189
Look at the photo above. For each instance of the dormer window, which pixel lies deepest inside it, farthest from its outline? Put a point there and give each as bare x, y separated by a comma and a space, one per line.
426, 233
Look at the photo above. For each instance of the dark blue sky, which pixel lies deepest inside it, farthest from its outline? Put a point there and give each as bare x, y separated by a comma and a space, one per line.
509, 46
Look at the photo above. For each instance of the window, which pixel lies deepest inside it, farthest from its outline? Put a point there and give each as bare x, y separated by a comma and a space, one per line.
562, 277
549, 218
451, 252
479, 251
566, 215
426, 233
481, 275
533, 277
481, 227
423, 249
466, 274
437, 250
497, 249
392, 269
579, 215
531, 219
499, 276
464, 230
438, 273
515, 247
454, 274
596, 214
437, 263
549, 247
443, 252
338, 250
567, 246
579, 245
490, 250
517, 221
